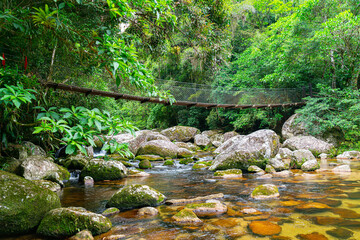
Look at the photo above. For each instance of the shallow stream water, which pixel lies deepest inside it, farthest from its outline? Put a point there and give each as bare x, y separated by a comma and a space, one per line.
340, 191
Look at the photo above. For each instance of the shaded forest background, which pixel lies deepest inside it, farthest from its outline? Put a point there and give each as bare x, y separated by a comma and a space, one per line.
126, 46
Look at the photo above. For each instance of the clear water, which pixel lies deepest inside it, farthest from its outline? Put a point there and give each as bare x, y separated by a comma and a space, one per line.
180, 181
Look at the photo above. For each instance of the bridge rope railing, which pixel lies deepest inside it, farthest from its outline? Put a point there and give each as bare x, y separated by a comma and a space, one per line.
192, 96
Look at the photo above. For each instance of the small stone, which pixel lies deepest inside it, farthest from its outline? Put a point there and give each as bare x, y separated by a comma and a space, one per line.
264, 228
88, 181
145, 164
340, 233
312, 236
354, 195
236, 231
227, 222
149, 157
342, 168
299, 157
186, 216
110, 211
323, 156
269, 169
265, 176
250, 211
230, 173
310, 165
148, 211
255, 169
265, 191
184, 153
312, 207
285, 173
291, 203
82, 235
209, 208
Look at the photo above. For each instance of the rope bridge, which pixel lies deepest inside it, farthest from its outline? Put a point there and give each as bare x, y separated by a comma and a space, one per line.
200, 95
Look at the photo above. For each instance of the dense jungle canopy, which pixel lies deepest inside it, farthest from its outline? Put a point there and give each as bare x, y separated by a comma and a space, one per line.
126, 46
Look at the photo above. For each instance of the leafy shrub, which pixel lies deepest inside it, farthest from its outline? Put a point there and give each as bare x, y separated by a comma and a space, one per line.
334, 109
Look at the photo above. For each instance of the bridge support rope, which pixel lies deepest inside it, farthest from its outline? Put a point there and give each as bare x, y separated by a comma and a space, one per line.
117, 96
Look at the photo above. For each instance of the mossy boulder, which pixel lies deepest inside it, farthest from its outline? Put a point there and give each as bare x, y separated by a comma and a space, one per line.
202, 140
38, 167
255, 169
201, 165
186, 161
186, 216
22, 204
159, 147
149, 157
269, 169
10, 164
180, 133
65, 222
104, 170
253, 149
278, 164
78, 161
169, 163
230, 173
265, 191
110, 211
24, 150
83, 235
136, 196
145, 164
45, 184
184, 153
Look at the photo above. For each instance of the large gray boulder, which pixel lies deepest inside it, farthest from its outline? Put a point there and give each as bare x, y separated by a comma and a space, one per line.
311, 143
100, 170
65, 222
180, 133
136, 196
215, 136
349, 155
159, 147
229, 135
202, 140
292, 128
310, 165
278, 164
229, 145
22, 204
38, 167
253, 149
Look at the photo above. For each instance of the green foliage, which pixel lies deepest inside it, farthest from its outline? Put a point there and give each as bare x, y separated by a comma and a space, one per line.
76, 127
334, 109
12, 101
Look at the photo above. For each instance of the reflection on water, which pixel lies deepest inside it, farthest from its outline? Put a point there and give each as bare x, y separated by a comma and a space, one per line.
341, 192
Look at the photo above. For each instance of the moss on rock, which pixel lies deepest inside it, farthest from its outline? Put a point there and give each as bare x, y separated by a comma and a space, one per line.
186, 161
145, 164
169, 163
149, 157
104, 170
23, 204
229, 172
265, 191
135, 196
64, 222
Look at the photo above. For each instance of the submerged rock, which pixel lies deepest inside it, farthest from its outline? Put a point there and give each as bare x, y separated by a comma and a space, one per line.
64, 222
135, 196
312, 207
180, 133
340, 233
104, 170
38, 167
159, 147
186, 216
264, 228
265, 191
22, 204
316, 146
342, 168
253, 149
312, 236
